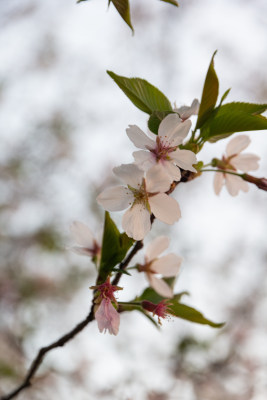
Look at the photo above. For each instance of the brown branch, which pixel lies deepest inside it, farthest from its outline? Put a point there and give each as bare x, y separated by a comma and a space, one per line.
44, 350
138, 245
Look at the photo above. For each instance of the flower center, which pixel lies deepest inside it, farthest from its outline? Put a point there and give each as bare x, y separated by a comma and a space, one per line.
140, 194
161, 152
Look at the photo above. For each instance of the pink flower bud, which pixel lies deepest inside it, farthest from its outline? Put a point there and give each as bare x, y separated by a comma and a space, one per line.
160, 309
261, 183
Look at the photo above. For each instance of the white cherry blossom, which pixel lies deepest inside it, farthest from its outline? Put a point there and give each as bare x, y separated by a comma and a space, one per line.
186, 112
164, 151
234, 161
156, 267
145, 195
86, 244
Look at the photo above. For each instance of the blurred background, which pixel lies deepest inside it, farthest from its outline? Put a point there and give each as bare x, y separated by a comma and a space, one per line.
62, 130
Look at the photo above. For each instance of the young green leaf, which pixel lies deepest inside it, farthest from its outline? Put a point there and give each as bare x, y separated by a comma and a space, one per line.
142, 94
190, 314
224, 96
173, 2
209, 95
149, 294
234, 117
123, 8
114, 248
155, 119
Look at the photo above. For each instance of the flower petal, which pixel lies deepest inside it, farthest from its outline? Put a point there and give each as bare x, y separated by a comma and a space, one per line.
167, 266
139, 138
172, 130
245, 162
82, 234
186, 111
160, 286
184, 159
107, 317
165, 208
84, 251
115, 198
237, 144
234, 184
218, 182
136, 221
172, 170
157, 179
130, 174
144, 159
156, 247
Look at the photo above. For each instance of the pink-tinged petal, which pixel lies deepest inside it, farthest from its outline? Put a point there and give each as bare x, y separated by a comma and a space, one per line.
156, 247
237, 144
245, 162
115, 198
172, 170
157, 179
186, 111
139, 138
136, 221
172, 130
184, 159
165, 208
160, 286
234, 184
168, 265
218, 182
107, 317
82, 234
144, 159
130, 174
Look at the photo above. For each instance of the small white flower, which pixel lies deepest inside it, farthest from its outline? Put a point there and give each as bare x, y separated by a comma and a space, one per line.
234, 161
164, 151
166, 266
186, 112
145, 196
86, 243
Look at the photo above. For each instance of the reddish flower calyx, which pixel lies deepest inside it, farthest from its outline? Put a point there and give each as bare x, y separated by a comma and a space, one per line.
106, 291
161, 309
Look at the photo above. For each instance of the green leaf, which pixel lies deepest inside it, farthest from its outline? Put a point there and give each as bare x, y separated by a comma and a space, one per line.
152, 296
209, 94
114, 248
174, 2
123, 8
142, 94
190, 314
224, 96
234, 117
155, 119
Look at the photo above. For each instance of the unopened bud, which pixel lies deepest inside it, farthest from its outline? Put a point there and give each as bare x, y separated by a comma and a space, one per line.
261, 183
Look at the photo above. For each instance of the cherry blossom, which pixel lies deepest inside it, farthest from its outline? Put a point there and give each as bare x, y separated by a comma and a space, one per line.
186, 112
234, 161
145, 195
161, 309
106, 315
166, 266
86, 243
164, 150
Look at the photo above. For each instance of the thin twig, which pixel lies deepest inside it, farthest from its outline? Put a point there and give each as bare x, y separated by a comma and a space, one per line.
44, 350
138, 245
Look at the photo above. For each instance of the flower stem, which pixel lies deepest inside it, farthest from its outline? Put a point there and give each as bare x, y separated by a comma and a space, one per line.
225, 171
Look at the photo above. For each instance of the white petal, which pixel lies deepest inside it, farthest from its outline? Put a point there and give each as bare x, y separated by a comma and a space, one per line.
186, 112
157, 179
165, 208
173, 171
156, 247
184, 159
234, 184
115, 198
237, 144
218, 182
82, 234
245, 162
167, 266
129, 174
160, 286
139, 138
136, 222
144, 159
172, 130
84, 251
